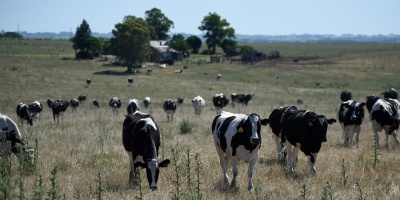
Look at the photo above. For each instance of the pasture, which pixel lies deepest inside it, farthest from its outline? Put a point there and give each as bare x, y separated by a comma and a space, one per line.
86, 149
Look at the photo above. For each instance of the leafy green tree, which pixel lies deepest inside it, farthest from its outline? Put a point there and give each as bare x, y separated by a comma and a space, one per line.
159, 22
217, 30
179, 43
229, 46
131, 41
11, 35
83, 42
194, 42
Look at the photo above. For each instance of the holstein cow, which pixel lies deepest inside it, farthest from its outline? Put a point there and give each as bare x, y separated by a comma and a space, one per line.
96, 103
88, 81
24, 113
351, 116
169, 107
82, 98
390, 93
74, 104
49, 103
141, 140
130, 81
36, 108
147, 102
11, 142
345, 95
115, 104
220, 101
133, 106
59, 107
198, 105
385, 115
180, 100
303, 130
275, 122
237, 137
240, 98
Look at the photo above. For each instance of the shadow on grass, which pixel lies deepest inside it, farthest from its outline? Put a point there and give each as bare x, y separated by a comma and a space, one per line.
113, 73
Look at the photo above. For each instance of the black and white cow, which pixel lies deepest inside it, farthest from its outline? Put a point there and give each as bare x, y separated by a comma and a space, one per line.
74, 103
141, 140
237, 137
24, 113
345, 95
385, 115
240, 98
59, 107
147, 102
275, 123
88, 81
115, 104
133, 106
351, 116
36, 108
371, 100
180, 100
96, 103
11, 142
130, 81
219, 77
306, 131
169, 107
198, 104
82, 98
390, 93
220, 101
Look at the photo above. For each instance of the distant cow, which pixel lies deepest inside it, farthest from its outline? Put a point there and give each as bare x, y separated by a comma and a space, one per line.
390, 93
24, 113
59, 107
130, 81
141, 140
385, 115
237, 137
88, 81
11, 142
351, 116
115, 104
169, 107
82, 98
149, 71
147, 102
345, 95
180, 100
306, 131
220, 101
240, 98
275, 123
198, 104
74, 103
96, 103
219, 77
36, 108
133, 106
179, 71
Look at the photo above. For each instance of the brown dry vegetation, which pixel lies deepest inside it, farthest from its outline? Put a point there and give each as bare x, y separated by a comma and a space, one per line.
88, 141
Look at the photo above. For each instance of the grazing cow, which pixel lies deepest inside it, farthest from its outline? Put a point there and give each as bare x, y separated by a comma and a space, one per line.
11, 141
24, 113
304, 130
147, 102
178, 71
36, 108
180, 100
82, 98
351, 116
130, 81
74, 104
198, 105
96, 103
390, 93
49, 103
240, 98
237, 137
88, 81
219, 77
141, 140
385, 115
59, 107
220, 101
169, 107
275, 122
345, 95
133, 106
115, 104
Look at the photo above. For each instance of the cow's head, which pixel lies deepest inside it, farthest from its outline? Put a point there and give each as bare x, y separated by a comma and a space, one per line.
153, 170
253, 123
317, 126
371, 100
352, 110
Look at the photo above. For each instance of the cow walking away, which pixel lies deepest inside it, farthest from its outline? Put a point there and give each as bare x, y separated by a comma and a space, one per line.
351, 116
169, 107
82, 98
147, 102
130, 81
36, 108
237, 137
59, 107
240, 98
88, 81
390, 93
24, 113
198, 104
74, 104
114, 104
133, 106
141, 140
220, 101
96, 103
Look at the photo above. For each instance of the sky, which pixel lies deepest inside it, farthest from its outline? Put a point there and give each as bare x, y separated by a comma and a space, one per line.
250, 17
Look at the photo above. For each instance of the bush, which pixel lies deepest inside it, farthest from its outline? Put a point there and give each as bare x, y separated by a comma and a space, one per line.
186, 126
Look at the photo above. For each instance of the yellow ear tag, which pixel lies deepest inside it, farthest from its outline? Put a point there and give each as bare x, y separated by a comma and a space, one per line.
310, 123
240, 130
344, 107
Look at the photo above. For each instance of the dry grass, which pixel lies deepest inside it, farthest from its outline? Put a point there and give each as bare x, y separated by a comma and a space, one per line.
89, 140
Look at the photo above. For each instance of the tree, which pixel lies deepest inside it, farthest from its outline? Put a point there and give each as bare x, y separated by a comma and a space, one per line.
229, 46
247, 49
11, 35
217, 30
194, 42
131, 41
179, 43
84, 43
159, 22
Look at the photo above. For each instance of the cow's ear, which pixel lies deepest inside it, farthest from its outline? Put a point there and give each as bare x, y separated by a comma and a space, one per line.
362, 104
331, 121
164, 163
265, 121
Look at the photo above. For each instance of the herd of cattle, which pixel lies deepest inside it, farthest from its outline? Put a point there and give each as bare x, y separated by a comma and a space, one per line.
236, 136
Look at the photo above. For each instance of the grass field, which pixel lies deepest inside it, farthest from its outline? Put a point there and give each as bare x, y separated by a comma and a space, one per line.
86, 149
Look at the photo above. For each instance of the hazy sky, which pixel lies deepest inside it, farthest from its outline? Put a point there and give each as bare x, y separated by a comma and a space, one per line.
263, 17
